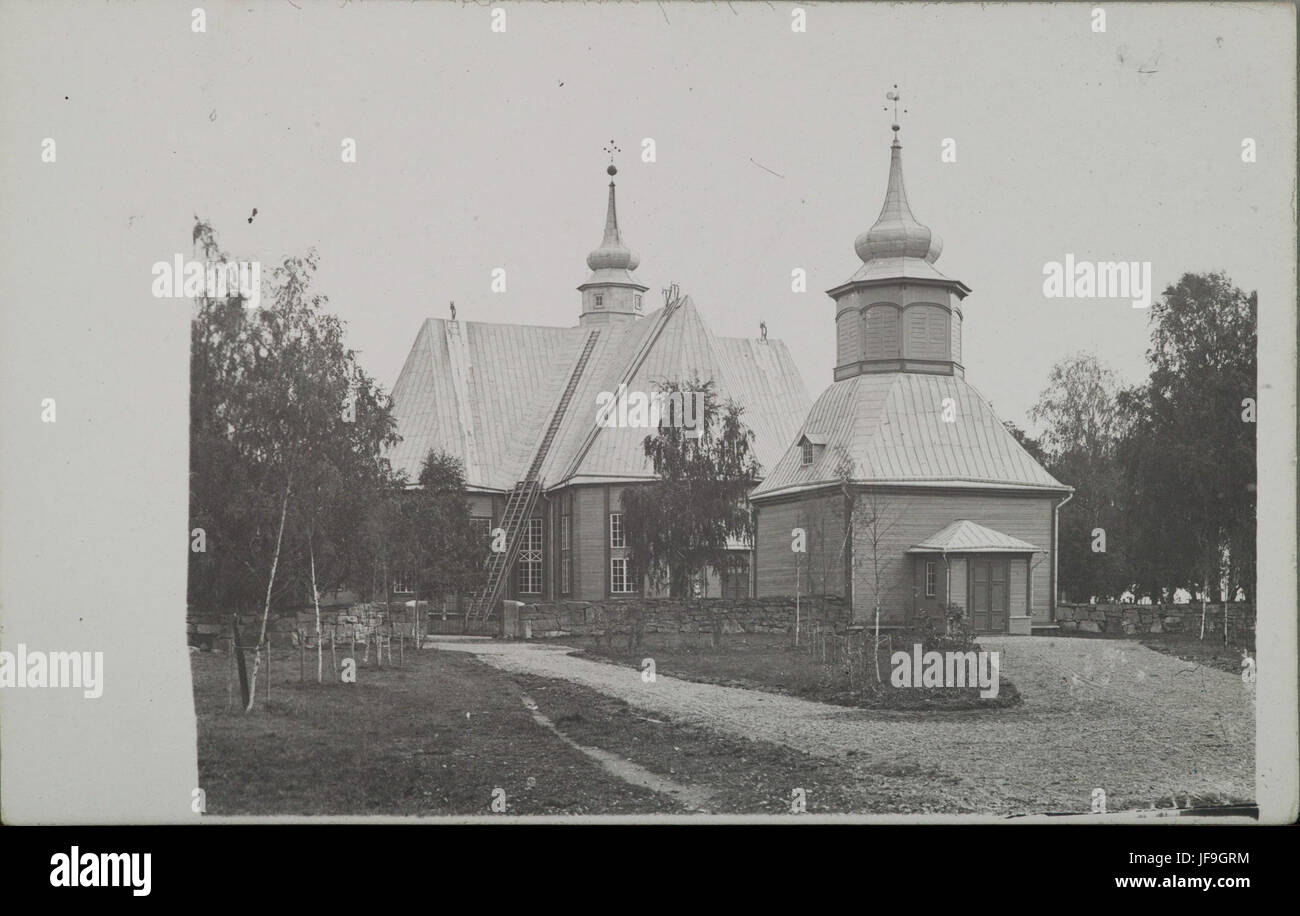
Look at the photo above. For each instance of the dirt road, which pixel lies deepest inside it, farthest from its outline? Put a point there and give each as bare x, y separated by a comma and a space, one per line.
1145, 728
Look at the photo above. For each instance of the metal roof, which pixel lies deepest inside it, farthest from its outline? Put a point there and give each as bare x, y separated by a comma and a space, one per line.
481, 392
486, 392
890, 428
965, 536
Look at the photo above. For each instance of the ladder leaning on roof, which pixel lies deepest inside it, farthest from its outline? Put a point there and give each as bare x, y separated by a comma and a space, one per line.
523, 498
647, 344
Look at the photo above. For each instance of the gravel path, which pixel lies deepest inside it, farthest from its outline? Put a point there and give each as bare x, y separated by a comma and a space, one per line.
1146, 728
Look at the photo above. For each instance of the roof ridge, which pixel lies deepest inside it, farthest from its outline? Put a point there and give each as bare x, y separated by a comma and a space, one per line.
504, 324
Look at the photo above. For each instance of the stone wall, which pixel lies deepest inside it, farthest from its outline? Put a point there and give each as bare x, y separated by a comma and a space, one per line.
1140, 619
214, 633
674, 615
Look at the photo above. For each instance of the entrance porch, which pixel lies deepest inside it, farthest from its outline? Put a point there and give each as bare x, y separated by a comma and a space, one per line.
985, 573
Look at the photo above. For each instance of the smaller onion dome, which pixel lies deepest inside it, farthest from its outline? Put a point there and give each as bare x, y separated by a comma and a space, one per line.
612, 253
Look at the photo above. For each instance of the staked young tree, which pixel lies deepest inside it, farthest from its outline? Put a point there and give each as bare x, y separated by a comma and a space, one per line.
268, 426
335, 489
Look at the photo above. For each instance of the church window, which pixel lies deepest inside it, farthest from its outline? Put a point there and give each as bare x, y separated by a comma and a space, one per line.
619, 581
599, 300
616, 539
930, 569
530, 559
566, 557
638, 302
735, 578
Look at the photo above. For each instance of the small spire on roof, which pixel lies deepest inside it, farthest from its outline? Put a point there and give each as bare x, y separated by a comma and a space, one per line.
762, 330
453, 310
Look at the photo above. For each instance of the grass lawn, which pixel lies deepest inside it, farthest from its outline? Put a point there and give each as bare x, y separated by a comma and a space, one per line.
1210, 651
769, 661
437, 736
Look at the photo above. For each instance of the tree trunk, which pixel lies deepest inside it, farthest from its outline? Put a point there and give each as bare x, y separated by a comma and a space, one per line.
876, 647
266, 609
239, 659
315, 595
1204, 589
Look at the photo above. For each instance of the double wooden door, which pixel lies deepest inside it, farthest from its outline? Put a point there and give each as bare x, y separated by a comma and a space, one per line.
989, 594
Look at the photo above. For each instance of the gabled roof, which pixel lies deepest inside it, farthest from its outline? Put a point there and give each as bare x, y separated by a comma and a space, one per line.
761, 376
481, 392
965, 536
486, 393
889, 429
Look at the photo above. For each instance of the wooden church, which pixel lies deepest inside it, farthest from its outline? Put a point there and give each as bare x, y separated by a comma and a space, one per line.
912, 496
520, 406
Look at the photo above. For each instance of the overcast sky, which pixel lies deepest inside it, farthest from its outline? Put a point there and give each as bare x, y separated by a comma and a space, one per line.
478, 149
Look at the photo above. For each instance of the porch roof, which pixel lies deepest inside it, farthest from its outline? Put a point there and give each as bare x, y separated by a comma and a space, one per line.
965, 536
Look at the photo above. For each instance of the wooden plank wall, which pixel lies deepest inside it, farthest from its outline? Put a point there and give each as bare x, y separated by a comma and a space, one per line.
910, 517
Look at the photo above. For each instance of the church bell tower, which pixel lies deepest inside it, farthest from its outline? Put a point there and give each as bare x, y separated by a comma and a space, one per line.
898, 313
612, 293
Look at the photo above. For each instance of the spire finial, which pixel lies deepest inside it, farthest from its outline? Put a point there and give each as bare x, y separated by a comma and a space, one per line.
613, 169
895, 96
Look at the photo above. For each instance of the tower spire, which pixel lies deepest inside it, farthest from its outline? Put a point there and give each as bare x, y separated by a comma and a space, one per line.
612, 253
898, 313
611, 291
897, 233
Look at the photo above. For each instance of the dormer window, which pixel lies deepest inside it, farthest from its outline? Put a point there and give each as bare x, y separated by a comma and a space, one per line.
810, 446
599, 300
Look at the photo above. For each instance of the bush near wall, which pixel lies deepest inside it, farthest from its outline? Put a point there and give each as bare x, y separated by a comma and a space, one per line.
675, 615
1141, 619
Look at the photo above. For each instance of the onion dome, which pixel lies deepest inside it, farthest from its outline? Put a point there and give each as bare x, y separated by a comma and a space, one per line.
612, 253
897, 233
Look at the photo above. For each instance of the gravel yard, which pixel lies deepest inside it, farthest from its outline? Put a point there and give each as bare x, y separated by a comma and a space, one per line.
1147, 728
